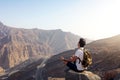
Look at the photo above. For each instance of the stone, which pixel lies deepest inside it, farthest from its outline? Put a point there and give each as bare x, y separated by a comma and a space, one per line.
86, 75
2, 70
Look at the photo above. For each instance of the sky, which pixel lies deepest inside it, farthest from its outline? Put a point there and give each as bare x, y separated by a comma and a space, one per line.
93, 19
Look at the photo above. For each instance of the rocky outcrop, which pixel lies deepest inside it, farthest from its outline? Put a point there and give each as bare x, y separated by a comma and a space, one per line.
112, 74
2, 70
86, 75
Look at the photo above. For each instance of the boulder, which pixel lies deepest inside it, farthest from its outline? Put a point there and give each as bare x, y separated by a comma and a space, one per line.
2, 70
117, 77
86, 75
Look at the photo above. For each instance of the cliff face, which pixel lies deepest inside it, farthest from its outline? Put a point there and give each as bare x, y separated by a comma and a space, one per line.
18, 45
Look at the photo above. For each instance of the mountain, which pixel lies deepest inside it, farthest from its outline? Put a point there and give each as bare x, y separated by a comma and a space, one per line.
106, 59
106, 52
18, 44
106, 56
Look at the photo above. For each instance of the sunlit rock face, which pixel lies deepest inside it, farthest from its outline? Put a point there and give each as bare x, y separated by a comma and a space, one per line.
18, 44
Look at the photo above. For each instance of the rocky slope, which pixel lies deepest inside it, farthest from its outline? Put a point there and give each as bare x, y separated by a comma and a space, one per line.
26, 72
106, 56
106, 52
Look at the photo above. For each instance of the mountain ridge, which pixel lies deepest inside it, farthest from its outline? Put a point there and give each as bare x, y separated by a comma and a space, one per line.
19, 44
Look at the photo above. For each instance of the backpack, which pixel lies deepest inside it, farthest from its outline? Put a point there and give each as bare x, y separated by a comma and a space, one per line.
87, 58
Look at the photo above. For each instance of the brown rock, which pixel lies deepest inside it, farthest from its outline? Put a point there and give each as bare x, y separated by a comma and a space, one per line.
2, 70
117, 77
86, 75
111, 74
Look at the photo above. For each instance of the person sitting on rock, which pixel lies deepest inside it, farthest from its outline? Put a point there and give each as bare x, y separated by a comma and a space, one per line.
74, 63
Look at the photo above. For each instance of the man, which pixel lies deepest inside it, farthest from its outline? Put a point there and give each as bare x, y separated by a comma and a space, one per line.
74, 62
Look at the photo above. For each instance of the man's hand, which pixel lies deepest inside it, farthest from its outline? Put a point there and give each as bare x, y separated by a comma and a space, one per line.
62, 58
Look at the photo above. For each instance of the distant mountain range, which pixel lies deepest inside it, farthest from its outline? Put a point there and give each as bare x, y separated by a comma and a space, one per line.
18, 44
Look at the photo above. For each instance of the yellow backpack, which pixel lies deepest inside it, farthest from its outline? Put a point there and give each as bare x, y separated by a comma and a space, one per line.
87, 58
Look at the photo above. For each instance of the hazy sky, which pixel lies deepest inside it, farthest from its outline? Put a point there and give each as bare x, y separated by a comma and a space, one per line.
93, 19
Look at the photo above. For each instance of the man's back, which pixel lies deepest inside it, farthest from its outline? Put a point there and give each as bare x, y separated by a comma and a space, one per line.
79, 53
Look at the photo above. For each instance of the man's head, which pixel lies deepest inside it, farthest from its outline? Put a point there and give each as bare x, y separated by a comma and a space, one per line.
81, 42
